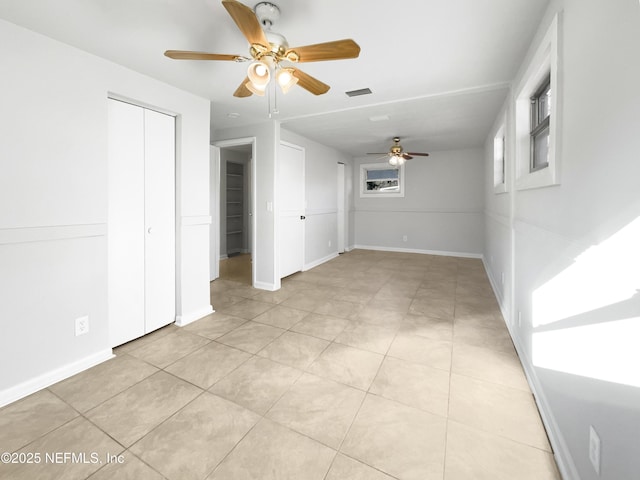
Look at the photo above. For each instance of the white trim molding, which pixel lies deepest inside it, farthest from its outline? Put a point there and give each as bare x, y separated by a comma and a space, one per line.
193, 220
47, 379
320, 261
183, 320
441, 253
544, 63
51, 233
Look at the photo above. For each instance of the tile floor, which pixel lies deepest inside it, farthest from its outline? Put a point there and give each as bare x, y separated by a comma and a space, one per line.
372, 366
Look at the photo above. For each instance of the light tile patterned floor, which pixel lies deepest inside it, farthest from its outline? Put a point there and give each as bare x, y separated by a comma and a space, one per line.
372, 366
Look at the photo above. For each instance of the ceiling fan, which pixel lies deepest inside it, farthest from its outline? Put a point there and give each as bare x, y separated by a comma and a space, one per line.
270, 52
397, 156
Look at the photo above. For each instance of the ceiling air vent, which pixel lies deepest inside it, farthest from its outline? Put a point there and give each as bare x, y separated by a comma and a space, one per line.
357, 93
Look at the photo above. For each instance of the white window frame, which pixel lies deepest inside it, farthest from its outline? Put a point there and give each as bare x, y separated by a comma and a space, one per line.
364, 193
500, 157
543, 63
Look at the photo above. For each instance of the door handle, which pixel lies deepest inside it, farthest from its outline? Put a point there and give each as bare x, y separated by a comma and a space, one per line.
302, 217
150, 230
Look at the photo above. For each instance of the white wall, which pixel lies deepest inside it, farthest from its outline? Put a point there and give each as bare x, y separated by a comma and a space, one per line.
53, 205
321, 196
441, 211
570, 252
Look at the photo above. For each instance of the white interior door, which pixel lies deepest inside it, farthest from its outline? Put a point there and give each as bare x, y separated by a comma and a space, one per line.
159, 202
291, 208
125, 237
341, 209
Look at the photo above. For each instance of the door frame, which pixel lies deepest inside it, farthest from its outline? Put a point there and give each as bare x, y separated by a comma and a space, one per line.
234, 142
111, 96
342, 209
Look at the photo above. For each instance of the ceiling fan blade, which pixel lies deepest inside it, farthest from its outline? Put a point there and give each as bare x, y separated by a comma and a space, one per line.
310, 83
337, 50
246, 21
406, 156
242, 90
419, 154
186, 55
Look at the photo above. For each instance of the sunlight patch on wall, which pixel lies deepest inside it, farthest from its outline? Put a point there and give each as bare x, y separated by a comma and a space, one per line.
604, 351
602, 275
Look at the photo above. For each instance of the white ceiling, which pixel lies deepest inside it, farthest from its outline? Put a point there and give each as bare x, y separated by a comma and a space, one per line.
439, 70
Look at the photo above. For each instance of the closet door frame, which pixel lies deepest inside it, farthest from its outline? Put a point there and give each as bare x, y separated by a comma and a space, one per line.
131, 309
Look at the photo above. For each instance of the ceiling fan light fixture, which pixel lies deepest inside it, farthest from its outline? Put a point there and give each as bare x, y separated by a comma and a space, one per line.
259, 75
285, 79
256, 90
396, 160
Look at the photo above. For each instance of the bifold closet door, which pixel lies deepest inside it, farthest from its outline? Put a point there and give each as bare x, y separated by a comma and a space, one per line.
159, 209
141, 221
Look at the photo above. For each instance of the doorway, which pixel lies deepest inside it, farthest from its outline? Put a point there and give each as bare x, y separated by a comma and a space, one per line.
233, 243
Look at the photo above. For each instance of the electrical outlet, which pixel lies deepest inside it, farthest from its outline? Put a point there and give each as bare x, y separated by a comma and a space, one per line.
404, 238
594, 449
82, 325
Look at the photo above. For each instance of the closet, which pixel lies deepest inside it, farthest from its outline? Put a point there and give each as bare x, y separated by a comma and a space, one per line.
235, 208
141, 221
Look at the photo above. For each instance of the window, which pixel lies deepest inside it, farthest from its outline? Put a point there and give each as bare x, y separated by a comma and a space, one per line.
537, 116
499, 159
381, 180
540, 117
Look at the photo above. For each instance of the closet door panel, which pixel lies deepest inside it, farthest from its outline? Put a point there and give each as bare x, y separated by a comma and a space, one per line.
125, 236
159, 224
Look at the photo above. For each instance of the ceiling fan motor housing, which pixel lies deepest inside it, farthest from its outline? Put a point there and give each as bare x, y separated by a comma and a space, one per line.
268, 13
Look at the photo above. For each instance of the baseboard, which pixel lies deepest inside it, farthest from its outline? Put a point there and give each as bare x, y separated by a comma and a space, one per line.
224, 257
561, 452
45, 380
183, 320
506, 315
320, 261
270, 287
424, 252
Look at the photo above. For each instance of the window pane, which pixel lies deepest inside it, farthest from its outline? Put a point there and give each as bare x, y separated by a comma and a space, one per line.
540, 157
544, 104
498, 160
383, 186
382, 174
